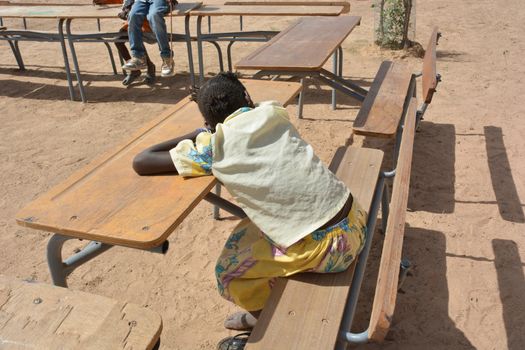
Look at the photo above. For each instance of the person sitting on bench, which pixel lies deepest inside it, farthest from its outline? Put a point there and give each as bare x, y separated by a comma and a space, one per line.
153, 11
300, 217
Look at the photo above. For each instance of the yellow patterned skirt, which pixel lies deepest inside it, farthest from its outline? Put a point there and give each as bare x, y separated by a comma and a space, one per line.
250, 263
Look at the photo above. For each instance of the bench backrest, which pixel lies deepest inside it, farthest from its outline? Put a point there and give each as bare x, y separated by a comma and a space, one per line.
387, 280
429, 79
345, 4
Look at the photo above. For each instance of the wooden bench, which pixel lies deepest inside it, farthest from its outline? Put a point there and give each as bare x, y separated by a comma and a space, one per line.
303, 49
44, 317
381, 112
344, 4
108, 203
315, 311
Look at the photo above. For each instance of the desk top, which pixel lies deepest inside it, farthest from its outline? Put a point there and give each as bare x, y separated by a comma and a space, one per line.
41, 316
267, 10
304, 46
75, 11
107, 202
345, 4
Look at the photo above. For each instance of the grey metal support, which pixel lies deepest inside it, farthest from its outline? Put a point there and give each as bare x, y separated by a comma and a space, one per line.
300, 102
111, 58
216, 208
340, 51
209, 24
222, 203
335, 71
187, 37
25, 22
240, 23
66, 59
229, 55
98, 25
60, 269
219, 54
199, 49
75, 61
359, 272
385, 207
16, 53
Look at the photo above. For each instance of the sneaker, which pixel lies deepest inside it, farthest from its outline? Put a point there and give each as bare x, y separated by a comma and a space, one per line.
167, 67
135, 63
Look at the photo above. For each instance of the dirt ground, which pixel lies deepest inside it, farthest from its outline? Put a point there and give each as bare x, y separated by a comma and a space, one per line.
465, 226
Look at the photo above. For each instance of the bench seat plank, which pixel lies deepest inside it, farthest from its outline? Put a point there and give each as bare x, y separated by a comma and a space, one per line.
304, 46
387, 280
311, 305
266, 10
41, 316
107, 202
382, 108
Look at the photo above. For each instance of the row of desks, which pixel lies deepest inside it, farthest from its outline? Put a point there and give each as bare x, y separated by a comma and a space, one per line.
65, 14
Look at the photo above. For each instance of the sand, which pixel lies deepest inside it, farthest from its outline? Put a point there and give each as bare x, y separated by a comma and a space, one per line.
465, 225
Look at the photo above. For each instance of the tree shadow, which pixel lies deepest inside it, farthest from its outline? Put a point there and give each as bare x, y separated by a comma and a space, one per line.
511, 282
509, 205
421, 319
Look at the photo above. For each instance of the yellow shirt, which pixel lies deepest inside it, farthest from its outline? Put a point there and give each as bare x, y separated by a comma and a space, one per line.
271, 172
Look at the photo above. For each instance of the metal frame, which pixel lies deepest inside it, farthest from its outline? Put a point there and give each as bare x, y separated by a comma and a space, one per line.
14, 36
60, 269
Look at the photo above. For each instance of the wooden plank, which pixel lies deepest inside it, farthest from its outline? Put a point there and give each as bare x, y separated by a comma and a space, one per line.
305, 311
429, 79
74, 11
304, 46
382, 108
41, 316
345, 4
107, 202
266, 10
387, 280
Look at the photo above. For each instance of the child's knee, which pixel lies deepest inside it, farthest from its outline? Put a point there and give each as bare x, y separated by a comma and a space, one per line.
156, 18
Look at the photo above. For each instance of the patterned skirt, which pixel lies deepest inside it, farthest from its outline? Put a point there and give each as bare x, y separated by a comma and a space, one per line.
250, 263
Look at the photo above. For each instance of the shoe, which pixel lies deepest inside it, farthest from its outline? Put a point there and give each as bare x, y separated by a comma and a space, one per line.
131, 77
237, 342
167, 67
135, 63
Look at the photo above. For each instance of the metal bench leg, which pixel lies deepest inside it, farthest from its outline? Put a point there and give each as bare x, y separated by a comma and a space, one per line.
335, 70
75, 61
66, 59
216, 208
199, 49
229, 55
60, 269
300, 101
189, 49
16, 53
111, 58
219, 54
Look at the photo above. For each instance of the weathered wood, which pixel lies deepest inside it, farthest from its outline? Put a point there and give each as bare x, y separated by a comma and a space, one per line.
74, 11
345, 4
305, 311
382, 109
387, 280
304, 46
429, 79
108, 202
266, 10
41, 316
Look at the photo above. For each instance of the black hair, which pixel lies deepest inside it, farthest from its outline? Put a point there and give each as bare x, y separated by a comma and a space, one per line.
221, 96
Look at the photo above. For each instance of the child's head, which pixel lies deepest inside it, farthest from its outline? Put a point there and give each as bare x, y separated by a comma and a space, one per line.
221, 96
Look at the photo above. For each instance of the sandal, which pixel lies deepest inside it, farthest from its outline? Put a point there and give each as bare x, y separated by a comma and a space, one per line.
240, 321
236, 342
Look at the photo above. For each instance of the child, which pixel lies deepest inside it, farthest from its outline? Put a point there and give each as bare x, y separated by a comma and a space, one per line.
300, 217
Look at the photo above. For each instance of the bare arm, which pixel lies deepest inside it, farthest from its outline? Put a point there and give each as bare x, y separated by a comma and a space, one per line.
156, 159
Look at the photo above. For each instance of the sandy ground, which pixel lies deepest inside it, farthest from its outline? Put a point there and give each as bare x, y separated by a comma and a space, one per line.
465, 226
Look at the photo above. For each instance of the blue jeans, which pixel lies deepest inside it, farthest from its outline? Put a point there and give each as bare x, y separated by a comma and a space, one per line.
153, 11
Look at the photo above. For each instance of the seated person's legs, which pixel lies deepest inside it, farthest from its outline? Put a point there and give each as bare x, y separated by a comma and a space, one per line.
136, 18
249, 263
156, 20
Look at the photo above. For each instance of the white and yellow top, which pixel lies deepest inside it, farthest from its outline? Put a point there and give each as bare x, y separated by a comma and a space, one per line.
269, 169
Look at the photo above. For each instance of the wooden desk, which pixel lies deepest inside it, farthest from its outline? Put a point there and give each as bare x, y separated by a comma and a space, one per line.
249, 9
303, 48
109, 203
65, 14
40, 316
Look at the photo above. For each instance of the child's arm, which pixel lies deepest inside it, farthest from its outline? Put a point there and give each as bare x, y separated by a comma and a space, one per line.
156, 159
